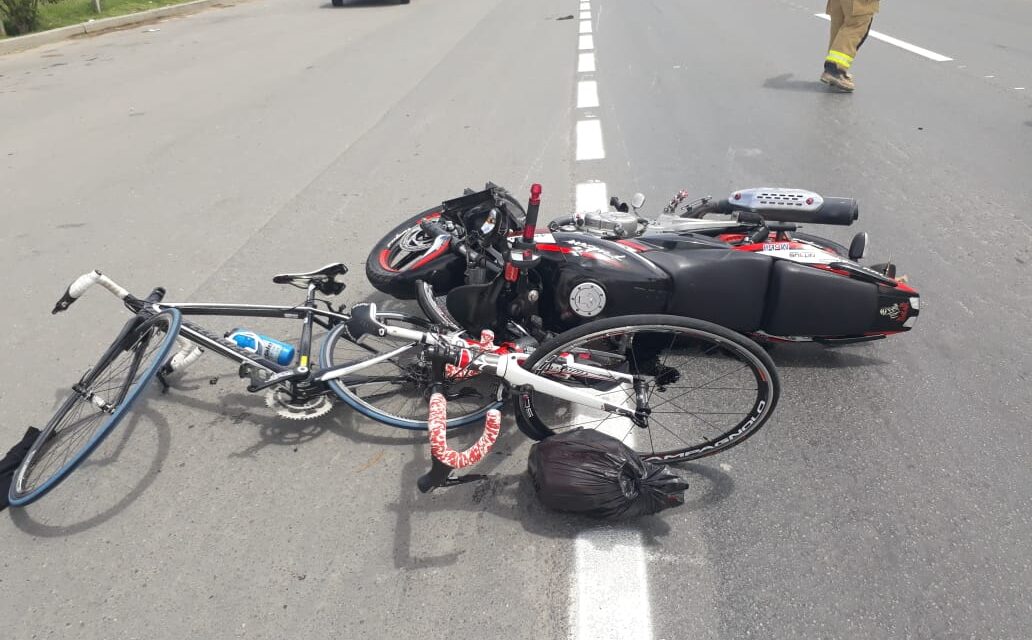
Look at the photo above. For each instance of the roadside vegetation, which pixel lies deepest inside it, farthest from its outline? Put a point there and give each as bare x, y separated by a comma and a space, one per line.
26, 16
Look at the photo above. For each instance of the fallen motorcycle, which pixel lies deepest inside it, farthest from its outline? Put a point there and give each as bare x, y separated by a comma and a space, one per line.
749, 270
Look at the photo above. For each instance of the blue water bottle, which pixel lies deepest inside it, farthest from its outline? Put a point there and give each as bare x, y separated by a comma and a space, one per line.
269, 348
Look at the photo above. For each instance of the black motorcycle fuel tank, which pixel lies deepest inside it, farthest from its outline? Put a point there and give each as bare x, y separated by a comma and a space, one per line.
584, 278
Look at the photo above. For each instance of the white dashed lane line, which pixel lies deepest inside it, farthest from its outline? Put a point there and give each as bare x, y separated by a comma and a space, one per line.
896, 42
609, 595
589, 140
591, 196
587, 94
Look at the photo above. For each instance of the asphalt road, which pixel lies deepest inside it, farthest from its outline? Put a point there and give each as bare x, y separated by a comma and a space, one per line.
889, 497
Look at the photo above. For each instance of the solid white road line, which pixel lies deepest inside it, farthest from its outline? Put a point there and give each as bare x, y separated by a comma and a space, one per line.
611, 593
584, 6
912, 48
585, 15
586, 63
611, 589
585, 26
589, 140
586, 43
587, 94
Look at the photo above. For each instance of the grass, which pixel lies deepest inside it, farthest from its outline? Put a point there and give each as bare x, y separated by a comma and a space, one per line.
66, 12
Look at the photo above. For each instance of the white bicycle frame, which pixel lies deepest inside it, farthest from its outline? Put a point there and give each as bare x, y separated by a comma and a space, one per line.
506, 366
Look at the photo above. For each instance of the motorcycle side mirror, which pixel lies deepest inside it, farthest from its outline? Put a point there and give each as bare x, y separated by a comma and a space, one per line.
637, 200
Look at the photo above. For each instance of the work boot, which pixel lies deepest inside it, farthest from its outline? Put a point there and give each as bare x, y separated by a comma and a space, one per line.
837, 78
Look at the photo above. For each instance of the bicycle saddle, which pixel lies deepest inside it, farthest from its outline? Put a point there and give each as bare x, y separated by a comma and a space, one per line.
325, 279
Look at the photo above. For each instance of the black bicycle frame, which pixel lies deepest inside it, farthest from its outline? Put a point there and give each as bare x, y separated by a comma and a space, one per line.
308, 312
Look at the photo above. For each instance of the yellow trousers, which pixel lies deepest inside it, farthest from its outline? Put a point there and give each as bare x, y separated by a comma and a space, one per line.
850, 22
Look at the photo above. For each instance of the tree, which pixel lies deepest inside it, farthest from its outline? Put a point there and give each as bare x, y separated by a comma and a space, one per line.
20, 16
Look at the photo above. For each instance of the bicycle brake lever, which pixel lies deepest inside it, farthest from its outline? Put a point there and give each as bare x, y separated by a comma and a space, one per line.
440, 475
363, 321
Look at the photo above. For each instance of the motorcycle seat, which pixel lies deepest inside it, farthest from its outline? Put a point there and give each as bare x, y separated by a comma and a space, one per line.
810, 302
716, 284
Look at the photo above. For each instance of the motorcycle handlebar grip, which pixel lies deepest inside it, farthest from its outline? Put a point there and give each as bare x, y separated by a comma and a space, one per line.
532, 213
837, 211
432, 228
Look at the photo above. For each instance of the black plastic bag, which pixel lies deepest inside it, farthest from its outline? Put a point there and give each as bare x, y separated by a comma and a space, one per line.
588, 472
10, 463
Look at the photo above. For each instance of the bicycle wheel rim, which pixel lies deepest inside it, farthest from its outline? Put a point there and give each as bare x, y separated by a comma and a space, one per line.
733, 362
146, 352
408, 395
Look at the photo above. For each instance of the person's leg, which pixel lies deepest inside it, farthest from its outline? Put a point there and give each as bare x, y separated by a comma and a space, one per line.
835, 75
852, 33
838, 16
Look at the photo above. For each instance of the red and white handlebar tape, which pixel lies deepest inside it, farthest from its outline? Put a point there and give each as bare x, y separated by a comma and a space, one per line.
439, 443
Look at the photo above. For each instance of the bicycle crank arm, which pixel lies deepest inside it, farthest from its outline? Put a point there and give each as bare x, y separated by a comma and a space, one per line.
294, 375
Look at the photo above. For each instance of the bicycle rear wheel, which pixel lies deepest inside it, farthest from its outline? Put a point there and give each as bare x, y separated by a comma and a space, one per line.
98, 401
708, 388
396, 391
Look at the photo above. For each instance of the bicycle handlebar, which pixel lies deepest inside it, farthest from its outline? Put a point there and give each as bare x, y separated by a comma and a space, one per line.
481, 357
83, 283
87, 280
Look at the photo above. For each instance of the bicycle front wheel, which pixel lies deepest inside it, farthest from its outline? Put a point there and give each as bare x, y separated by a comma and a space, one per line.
98, 401
707, 387
395, 391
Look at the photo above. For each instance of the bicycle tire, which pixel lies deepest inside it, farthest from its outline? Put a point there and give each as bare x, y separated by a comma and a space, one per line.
147, 346
712, 342
397, 382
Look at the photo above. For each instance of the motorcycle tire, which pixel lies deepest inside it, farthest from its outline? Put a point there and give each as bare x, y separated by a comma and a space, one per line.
387, 260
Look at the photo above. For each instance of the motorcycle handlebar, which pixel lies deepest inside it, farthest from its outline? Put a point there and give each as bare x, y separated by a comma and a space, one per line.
833, 211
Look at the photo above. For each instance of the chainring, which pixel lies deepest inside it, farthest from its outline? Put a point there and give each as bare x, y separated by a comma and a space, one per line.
279, 400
